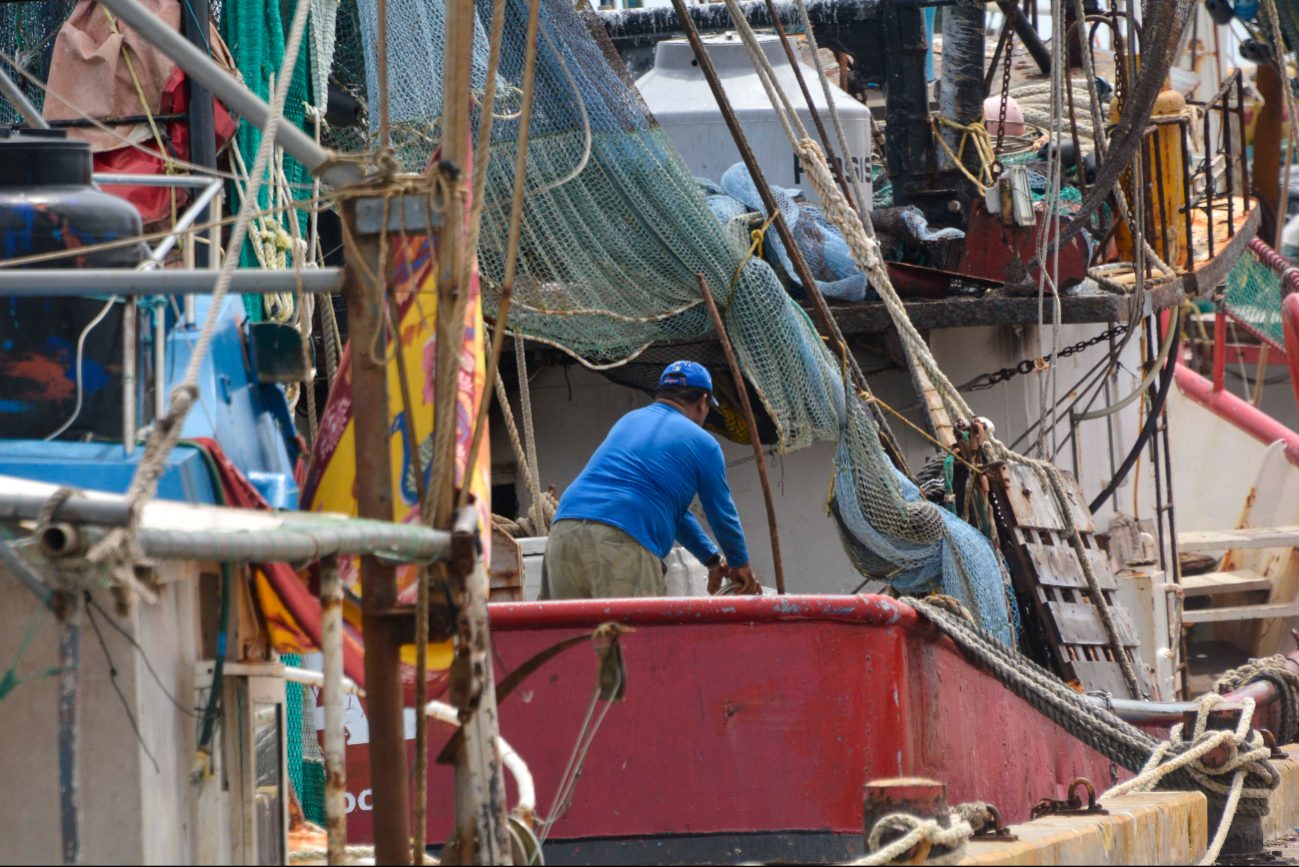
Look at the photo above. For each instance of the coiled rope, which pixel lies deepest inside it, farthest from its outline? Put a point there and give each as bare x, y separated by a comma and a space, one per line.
1275, 671
1253, 778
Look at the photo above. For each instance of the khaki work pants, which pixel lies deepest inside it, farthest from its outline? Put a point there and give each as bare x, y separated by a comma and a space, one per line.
590, 560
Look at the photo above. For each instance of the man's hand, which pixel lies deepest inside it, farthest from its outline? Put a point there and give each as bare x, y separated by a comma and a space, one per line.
716, 574
743, 575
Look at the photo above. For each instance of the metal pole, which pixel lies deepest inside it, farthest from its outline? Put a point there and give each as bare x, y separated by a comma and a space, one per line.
15, 95
69, 735
1027, 33
231, 92
961, 92
753, 430
130, 361
97, 282
187, 219
370, 413
331, 627
202, 120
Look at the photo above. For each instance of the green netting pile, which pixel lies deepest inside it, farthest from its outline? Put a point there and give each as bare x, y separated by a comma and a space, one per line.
1254, 299
615, 231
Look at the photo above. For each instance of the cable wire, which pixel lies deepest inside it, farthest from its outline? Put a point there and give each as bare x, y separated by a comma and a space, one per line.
81, 345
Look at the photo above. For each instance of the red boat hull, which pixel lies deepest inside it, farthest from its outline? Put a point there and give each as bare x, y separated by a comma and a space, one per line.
752, 719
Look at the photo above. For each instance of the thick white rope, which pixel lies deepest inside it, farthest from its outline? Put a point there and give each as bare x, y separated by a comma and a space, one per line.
1246, 754
955, 838
834, 118
540, 514
850, 223
117, 549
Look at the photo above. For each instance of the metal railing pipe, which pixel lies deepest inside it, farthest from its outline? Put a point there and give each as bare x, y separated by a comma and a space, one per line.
98, 282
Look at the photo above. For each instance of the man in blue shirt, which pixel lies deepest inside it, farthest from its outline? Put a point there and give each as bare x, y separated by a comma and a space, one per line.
619, 518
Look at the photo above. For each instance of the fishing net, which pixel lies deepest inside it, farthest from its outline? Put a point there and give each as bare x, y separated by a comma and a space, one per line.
27, 32
615, 230
254, 32
1253, 299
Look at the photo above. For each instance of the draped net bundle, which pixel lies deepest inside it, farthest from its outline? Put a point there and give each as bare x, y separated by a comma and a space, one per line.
615, 230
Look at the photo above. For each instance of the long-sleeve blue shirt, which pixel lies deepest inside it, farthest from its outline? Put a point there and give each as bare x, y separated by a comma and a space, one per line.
643, 478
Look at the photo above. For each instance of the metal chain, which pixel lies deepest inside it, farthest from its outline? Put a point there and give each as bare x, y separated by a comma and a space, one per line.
997, 167
1028, 365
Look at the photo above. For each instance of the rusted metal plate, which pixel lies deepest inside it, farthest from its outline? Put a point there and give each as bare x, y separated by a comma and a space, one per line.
507, 568
992, 308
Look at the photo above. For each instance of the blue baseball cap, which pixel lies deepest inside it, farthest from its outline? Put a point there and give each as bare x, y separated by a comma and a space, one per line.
689, 374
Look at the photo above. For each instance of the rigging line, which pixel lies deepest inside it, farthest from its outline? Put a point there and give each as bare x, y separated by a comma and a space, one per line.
90, 600
586, 121
112, 677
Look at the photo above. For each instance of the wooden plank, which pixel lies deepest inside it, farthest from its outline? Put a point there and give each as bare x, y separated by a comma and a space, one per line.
1058, 566
1030, 501
1102, 676
1209, 540
1212, 583
1078, 624
1123, 623
1240, 612
1082, 515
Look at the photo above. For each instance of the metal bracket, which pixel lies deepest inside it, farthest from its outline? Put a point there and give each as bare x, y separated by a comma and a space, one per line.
1073, 806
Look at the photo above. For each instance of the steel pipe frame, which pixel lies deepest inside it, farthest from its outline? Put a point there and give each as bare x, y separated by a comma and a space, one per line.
100, 282
232, 93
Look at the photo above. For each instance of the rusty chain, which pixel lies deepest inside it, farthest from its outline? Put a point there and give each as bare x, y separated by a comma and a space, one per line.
1028, 365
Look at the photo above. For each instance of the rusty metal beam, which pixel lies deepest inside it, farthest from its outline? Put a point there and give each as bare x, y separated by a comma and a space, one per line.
331, 619
370, 416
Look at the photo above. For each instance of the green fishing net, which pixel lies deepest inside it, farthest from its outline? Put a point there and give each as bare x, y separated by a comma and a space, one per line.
1253, 298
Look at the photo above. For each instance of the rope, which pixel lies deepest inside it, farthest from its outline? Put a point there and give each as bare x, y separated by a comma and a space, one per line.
1096, 727
978, 131
529, 526
926, 832
1274, 670
810, 36
118, 549
1253, 762
11, 680
540, 519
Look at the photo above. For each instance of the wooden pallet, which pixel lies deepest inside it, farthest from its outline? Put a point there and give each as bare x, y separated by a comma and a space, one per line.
1045, 567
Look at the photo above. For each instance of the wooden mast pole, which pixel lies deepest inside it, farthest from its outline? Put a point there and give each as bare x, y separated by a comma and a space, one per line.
753, 430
